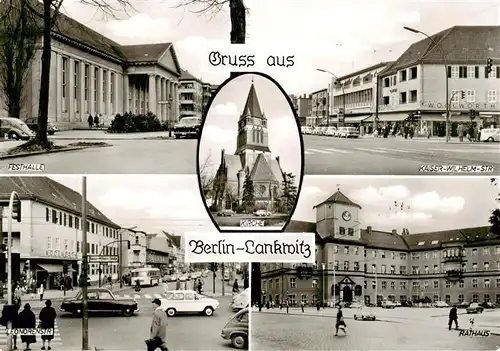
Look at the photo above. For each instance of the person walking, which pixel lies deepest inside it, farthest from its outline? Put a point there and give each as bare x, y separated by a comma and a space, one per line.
453, 317
158, 330
340, 323
165, 287
40, 291
236, 287
96, 121
178, 284
90, 120
460, 132
302, 305
17, 297
200, 286
287, 305
47, 321
27, 320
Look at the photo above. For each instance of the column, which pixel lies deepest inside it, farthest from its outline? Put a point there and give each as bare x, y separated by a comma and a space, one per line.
176, 98
100, 89
58, 87
83, 105
126, 93
108, 105
167, 97
158, 97
92, 88
134, 92
164, 99
71, 89
152, 93
52, 88
116, 97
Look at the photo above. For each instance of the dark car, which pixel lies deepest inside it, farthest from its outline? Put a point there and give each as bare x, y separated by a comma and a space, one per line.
33, 125
100, 300
236, 330
474, 308
488, 305
188, 127
14, 128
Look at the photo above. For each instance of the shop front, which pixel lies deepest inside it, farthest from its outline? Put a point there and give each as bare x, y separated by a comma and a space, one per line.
55, 269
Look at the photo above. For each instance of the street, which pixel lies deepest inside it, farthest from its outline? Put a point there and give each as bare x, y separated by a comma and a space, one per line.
392, 156
116, 332
142, 153
398, 329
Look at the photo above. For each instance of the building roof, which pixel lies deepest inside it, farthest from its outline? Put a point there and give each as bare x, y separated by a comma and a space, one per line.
52, 193
233, 166
186, 75
460, 45
159, 244
365, 70
383, 240
176, 239
262, 171
144, 53
339, 198
319, 91
252, 106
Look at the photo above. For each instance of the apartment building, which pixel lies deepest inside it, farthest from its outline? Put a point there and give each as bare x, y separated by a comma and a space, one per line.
319, 109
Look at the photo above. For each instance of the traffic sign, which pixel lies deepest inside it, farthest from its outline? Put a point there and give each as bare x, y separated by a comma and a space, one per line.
102, 259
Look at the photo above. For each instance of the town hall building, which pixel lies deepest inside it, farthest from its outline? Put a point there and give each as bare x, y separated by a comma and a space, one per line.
253, 158
91, 74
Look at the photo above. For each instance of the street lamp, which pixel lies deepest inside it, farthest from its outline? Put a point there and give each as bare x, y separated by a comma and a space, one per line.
343, 93
445, 74
120, 257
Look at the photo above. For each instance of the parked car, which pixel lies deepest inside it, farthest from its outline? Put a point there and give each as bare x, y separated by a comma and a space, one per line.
307, 130
236, 330
364, 314
440, 304
397, 304
32, 123
406, 303
183, 277
15, 129
388, 304
463, 304
348, 132
490, 134
488, 305
241, 300
330, 131
262, 213
225, 213
188, 127
474, 308
100, 300
355, 305
187, 301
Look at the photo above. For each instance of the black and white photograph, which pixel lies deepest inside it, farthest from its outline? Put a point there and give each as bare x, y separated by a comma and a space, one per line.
250, 155
416, 257
134, 273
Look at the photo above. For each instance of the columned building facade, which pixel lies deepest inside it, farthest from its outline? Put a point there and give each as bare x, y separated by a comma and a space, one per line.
91, 75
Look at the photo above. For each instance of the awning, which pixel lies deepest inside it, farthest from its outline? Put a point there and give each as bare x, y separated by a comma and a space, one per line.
355, 119
388, 117
51, 268
439, 117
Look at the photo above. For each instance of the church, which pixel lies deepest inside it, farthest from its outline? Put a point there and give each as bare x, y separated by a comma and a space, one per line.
252, 158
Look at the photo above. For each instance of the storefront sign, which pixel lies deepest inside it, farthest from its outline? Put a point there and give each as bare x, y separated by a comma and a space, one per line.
60, 254
460, 105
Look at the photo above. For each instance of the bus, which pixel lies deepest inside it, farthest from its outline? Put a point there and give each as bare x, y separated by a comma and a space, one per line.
146, 276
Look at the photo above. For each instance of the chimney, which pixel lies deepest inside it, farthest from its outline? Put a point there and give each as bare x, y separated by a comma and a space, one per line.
394, 232
369, 229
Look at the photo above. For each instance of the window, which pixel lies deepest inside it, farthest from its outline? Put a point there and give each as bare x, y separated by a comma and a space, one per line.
435, 284
64, 78
486, 266
387, 82
462, 72
402, 270
293, 283
493, 74
356, 266
498, 283
76, 75
66, 244
455, 95
384, 284
86, 82
105, 89
346, 250
498, 265
447, 284
374, 268
413, 96
474, 252
77, 223
54, 216
402, 256
70, 221
461, 284
475, 298
402, 97
392, 255
474, 267
434, 253
492, 96
486, 250
336, 265
447, 299
474, 283
335, 249
414, 269
96, 87
346, 265
60, 218
315, 283
350, 231
303, 298
342, 230
402, 285
402, 76
393, 269
57, 244
454, 72
49, 243
426, 269
383, 269
436, 268
47, 214
393, 285
413, 73
426, 255
471, 72
374, 253
486, 297
486, 283
471, 96
387, 100
65, 219
356, 250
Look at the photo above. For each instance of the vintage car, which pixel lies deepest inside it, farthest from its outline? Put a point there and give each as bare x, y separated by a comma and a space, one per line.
188, 127
33, 125
364, 314
14, 128
100, 300
187, 301
236, 330
474, 308
388, 304
241, 300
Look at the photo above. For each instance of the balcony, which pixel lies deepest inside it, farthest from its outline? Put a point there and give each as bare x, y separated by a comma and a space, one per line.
453, 255
454, 274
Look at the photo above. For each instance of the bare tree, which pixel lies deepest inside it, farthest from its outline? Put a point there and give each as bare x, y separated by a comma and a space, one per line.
19, 34
207, 177
48, 11
237, 14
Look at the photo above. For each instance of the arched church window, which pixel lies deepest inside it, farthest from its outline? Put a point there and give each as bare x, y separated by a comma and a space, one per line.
262, 136
262, 190
275, 191
253, 135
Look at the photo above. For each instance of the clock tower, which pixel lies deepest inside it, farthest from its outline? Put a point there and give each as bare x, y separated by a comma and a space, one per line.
338, 217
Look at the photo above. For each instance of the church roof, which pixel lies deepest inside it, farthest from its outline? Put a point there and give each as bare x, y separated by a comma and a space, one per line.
262, 170
339, 198
252, 105
233, 165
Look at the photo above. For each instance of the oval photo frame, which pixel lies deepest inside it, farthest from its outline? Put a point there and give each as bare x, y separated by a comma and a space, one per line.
245, 184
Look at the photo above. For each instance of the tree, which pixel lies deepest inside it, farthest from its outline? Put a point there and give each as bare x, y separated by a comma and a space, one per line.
19, 34
248, 201
289, 193
48, 11
237, 14
494, 219
206, 178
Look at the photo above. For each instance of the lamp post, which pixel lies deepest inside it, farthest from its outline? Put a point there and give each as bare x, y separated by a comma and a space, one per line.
445, 61
323, 284
120, 257
343, 93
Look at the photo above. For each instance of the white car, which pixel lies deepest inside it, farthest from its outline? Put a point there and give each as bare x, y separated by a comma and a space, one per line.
440, 304
348, 132
490, 134
241, 300
355, 305
183, 278
388, 304
262, 213
330, 131
364, 314
187, 301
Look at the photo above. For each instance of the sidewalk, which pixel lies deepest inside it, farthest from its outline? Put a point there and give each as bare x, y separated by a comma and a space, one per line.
453, 140
103, 135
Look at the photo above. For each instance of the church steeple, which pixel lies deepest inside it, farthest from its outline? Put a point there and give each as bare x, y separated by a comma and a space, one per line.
252, 106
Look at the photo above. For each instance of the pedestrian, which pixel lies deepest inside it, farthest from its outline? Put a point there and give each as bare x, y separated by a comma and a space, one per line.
318, 306
90, 120
236, 287
460, 131
17, 297
40, 291
287, 305
178, 284
302, 305
165, 287
47, 321
27, 320
110, 282
96, 121
200, 286
158, 330
453, 317
15, 324
340, 323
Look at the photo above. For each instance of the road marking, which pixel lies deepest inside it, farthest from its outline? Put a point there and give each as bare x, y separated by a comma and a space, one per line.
493, 151
137, 296
371, 150
126, 296
387, 150
147, 296
339, 151
56, 341
320, 151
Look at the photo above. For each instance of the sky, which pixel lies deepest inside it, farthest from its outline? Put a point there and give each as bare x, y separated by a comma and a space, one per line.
221, 124
341, 36
151, 202
429, 203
